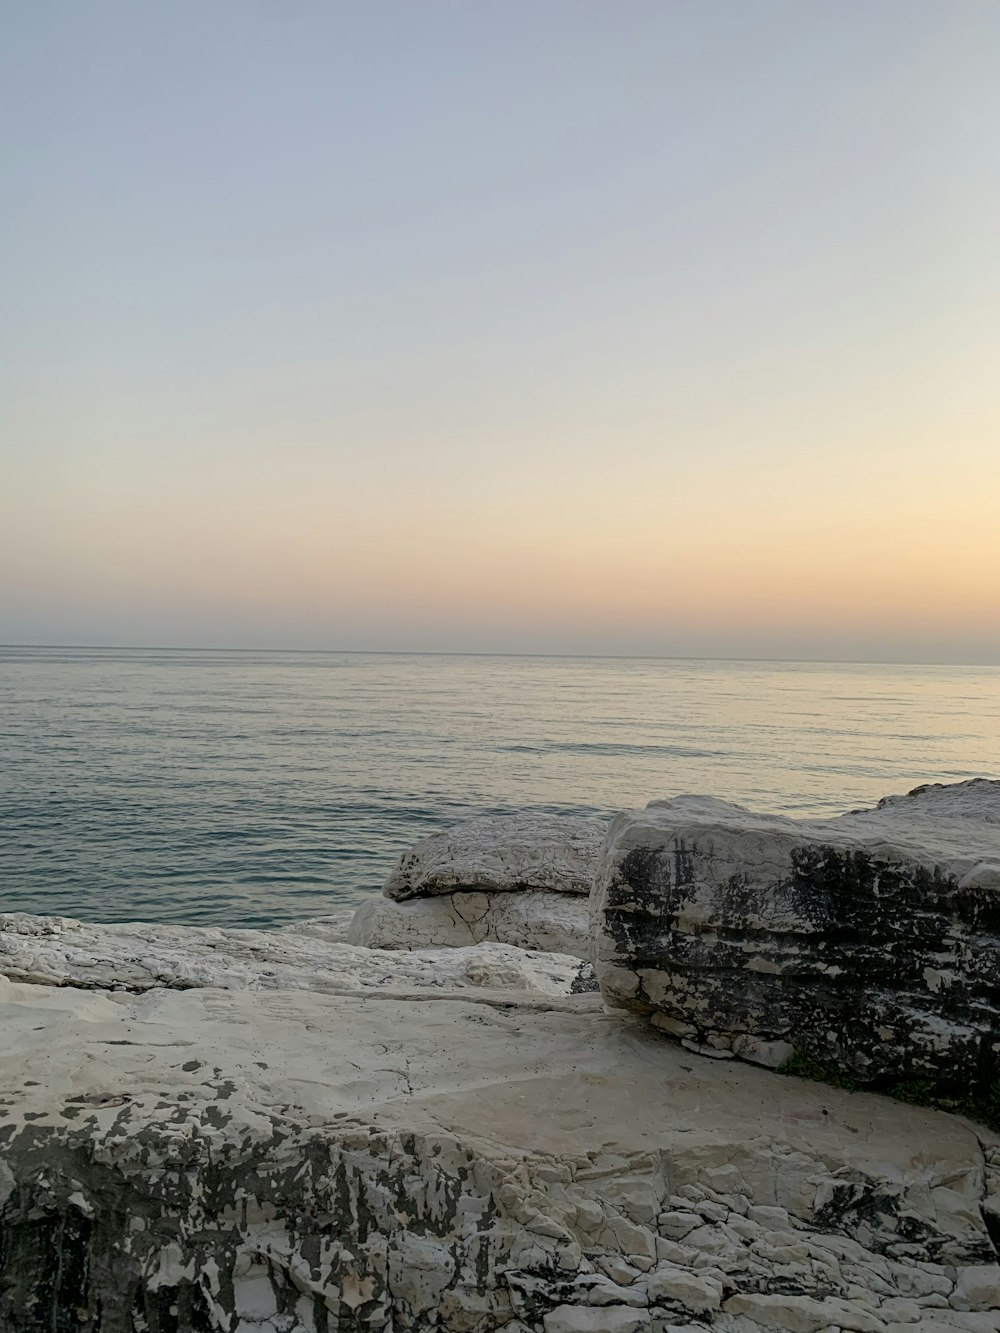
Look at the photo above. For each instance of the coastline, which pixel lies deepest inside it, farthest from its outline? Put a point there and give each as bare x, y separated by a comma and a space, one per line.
224, 1131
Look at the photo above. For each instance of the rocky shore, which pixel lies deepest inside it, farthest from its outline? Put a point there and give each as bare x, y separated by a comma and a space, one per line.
428, 1116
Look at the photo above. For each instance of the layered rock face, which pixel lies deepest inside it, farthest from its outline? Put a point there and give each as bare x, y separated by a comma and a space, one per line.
518, 879
869, 943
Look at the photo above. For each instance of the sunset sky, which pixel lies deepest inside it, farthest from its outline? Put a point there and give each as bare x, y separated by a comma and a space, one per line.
544, 325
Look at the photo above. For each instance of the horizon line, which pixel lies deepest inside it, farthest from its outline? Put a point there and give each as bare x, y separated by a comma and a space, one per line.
440, 652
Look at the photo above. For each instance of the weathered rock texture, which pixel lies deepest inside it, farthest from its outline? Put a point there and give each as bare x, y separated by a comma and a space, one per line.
556, 853
281, 1161
552, 922
57, 951
869, 943
215, 1131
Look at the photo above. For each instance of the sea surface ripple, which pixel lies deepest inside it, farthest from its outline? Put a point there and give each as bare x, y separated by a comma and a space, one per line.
256, 788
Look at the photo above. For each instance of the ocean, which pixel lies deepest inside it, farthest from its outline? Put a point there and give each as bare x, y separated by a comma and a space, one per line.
256, 788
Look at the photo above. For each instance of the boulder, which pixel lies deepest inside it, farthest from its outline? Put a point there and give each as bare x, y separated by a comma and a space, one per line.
534, 919
501, 853
866, 945
405, 1157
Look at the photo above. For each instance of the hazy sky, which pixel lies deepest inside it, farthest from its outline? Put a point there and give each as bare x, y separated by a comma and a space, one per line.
542, 325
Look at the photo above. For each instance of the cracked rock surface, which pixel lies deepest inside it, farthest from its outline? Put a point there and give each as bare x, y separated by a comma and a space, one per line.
533, 919
289, 1160
57, 951
869, 943
237, 1131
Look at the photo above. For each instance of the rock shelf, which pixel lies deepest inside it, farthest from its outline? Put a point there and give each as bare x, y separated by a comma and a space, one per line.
279, 1132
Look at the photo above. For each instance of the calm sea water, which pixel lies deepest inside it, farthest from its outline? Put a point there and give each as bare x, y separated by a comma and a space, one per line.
256, 788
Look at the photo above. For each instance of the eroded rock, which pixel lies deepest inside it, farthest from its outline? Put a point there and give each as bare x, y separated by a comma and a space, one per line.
267, 1161
552, 922
500, 854
57, 951
869, 943
213, 1131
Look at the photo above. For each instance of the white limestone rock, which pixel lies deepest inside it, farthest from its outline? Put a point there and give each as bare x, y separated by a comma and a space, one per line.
977, 799
57, 951
502, 853
869, 943
292, 1161
225, 1131
978, 1288
552, 922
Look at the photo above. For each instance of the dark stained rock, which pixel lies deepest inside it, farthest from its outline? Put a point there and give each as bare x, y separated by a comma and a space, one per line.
868, 945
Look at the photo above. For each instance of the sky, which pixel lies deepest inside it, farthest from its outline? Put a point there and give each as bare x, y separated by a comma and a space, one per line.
632, 327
